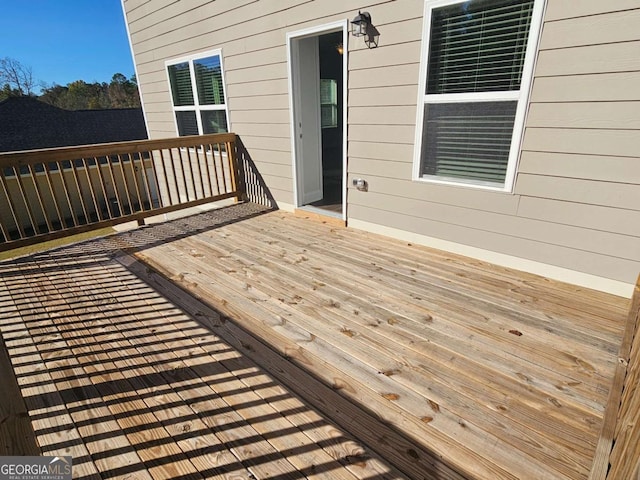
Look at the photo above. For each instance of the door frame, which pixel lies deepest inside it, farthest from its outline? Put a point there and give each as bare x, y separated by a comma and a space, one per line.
319, 30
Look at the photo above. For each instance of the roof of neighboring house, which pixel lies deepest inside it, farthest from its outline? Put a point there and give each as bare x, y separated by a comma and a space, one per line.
27, 123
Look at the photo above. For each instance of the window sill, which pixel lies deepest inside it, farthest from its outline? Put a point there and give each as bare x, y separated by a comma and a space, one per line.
461, 183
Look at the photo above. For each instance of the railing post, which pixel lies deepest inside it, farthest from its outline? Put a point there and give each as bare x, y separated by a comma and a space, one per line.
622, 433
234, 167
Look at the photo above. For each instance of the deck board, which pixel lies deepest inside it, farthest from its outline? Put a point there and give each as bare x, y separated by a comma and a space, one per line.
340, 282
507, 371
448, 367
16, 433
131, 386
407, 382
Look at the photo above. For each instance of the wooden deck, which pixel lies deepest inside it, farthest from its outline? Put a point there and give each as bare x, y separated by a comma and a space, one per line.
330, 352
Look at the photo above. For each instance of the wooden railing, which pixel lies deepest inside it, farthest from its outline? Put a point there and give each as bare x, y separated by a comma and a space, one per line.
47, 194
624, 461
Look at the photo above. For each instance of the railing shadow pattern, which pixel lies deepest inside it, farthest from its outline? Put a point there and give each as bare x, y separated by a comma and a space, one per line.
251, 184
117, 376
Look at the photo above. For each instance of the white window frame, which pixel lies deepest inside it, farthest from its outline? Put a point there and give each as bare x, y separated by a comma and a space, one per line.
194, 87
521, 96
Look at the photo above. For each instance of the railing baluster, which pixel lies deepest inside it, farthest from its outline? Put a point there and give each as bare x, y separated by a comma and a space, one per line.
207, 154
103, 186
126, 185
145, 182
136, 184
36, 188
232, 167
154, 172
223, 170
65, 188
198, 151
3, 229
193, 178
92, 192
25, 199
76, 179
166, 177
12, 206
184, 176
52, 192
214, 157
175, 173
116, 191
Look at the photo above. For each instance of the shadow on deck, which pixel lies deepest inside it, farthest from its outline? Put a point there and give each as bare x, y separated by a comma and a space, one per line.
114, 374
188, 349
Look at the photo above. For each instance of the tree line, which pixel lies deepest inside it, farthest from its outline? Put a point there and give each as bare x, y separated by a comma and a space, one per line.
17, 80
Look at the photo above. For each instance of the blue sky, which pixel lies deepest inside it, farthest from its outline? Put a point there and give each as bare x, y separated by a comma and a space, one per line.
66, 40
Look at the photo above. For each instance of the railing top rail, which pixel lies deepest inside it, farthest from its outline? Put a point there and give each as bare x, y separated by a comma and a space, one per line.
30, 157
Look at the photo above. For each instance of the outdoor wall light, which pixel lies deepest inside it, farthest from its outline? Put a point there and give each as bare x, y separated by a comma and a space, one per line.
361, 26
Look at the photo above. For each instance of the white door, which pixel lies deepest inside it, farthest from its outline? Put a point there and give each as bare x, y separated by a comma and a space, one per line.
308, 140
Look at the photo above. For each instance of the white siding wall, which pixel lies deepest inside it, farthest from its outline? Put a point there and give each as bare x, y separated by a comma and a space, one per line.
576, 203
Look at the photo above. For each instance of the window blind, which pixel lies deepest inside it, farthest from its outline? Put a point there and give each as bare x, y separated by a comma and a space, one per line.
209, 81
468, 140
180, 79
478, 46
214, 121
328, 103
187, 122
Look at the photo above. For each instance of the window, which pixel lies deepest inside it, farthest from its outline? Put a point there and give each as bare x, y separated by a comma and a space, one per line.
198, 94
329, 103
477, 67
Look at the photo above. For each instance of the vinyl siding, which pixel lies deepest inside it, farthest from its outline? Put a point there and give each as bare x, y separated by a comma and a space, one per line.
599, 87
602, 115
580, 162
252, 37
564, 9
611, 57
548, 253
571, 29
576, 199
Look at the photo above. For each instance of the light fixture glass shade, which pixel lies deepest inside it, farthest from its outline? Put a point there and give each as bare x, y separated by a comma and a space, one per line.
371, 42
360, 24
372, 37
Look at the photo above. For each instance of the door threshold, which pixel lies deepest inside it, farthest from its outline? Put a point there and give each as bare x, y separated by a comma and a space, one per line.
321, 215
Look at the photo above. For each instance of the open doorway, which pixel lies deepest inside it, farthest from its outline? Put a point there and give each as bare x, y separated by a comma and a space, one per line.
317, 70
